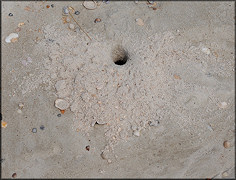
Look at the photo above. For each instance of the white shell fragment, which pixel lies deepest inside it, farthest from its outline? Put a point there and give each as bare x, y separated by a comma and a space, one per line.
223, 105
61, 104
139, 22
90, 5
11, 37
206, 50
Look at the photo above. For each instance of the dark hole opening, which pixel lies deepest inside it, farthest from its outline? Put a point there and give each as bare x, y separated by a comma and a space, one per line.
120, 56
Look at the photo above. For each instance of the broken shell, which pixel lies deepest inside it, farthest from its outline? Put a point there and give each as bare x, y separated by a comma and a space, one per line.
206, 50
61, 104
4, 124
90, 5
20, 24
11, 37
223, 105
139, 22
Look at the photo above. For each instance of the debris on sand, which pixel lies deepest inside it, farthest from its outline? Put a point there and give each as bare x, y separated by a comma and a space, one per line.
61, 104
12, 38
90, 5
139, 22
4, 124
226, 144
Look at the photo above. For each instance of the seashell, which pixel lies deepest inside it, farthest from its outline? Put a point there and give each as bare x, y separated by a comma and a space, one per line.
11, 37
223, 105
61, 104
90, 5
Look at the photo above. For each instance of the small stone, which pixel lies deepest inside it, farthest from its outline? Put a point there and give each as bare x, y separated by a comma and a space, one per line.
136, 133
52, 5
18, 29
47, 6
223, 105
206, 50
59, 115
42, 127
14, 175
34, 130
19, 111
77, 29
77, 12
65, 10
154, 8
61, 104
154, 123
10, 14
139, 22
21, 105
109, 161
226, 144
4, 124
72, 26
87, 148
97, 20
90, 5
20, 24
225, 174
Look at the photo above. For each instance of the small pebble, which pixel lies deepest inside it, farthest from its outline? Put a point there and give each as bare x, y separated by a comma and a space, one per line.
77, 12
223, 105
14, 175
206, 50
225, 174
150, 2
65, 10
97, 20
226, 144
154, 8
10, 14
72, 26
19, 111
42, 127
18, 29
139, 22
109, 161
48, 6
4, 124
136, 133
21, 105
34, 130
61, 104
52, 5
59, 115
87, 148
154, 123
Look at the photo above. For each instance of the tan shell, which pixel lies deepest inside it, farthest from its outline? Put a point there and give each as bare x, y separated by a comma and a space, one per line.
90, 5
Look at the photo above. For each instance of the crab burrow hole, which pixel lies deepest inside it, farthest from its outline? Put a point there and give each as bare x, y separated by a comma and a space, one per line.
120, 55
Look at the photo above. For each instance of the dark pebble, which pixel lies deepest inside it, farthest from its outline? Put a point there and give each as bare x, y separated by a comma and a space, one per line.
34, 130
77, 12
42, 127
14, 175
52, 5
2, 160
87, 148
59, 115
10, 14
